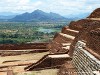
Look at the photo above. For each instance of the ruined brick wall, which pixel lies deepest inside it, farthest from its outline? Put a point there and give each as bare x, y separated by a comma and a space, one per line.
66, 36
76, 25
17, 49
23, 46
85, 48
84, 34
85, 63
94, 40
56, 45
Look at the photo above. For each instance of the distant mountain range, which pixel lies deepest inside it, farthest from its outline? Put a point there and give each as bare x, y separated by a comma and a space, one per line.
37, 15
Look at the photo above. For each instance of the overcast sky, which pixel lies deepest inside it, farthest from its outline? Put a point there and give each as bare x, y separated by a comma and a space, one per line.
62, 7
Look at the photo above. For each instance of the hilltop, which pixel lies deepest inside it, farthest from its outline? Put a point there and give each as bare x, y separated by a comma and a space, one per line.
38, 15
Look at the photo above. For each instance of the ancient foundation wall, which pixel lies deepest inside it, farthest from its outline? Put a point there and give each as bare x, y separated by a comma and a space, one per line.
85, 62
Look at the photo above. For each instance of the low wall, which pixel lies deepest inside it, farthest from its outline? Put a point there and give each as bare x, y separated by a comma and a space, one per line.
85, 63
17, 49
23, 46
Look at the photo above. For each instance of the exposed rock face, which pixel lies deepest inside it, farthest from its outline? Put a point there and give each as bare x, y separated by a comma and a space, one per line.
86, 35
85, 48
94, 40
95, 14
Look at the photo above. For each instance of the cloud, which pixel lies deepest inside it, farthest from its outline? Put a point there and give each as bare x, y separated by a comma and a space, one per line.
18, 5
64, 7
67, 7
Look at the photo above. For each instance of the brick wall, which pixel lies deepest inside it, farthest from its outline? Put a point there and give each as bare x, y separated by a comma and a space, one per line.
84, 61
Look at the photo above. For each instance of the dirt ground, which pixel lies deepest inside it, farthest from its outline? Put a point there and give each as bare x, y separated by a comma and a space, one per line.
13, 62
42, 72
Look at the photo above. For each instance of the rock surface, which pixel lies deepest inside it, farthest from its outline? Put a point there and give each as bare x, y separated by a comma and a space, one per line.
83, 55
95, 13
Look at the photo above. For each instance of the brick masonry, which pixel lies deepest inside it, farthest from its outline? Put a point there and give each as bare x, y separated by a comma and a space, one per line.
85, 63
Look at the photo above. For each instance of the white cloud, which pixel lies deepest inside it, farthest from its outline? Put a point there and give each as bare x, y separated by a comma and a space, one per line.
73, 6
18, 5
59, 6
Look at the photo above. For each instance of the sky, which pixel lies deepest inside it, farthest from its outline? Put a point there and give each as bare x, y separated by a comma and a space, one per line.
63, 7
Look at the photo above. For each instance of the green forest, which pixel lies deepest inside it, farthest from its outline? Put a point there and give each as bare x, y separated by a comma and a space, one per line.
28, 32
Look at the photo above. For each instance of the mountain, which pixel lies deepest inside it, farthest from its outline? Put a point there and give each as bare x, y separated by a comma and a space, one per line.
37, 15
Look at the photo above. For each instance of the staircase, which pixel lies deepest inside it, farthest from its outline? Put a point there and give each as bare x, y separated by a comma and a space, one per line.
62, 41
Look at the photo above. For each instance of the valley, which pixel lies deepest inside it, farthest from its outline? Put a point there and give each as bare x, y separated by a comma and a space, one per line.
26, 32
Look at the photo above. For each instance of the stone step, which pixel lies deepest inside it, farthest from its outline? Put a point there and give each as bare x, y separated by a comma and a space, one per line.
73, 30
64, 38
49, 61
65, 44
61, 39
67, 47
70, 32
93, 18
67, 36
58, 48
59, 56
61, 43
